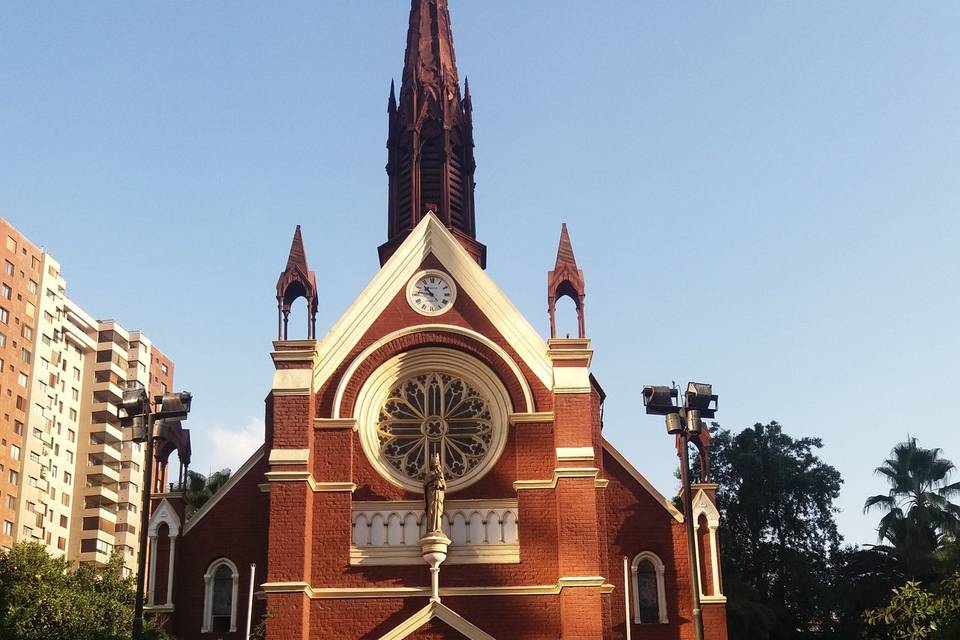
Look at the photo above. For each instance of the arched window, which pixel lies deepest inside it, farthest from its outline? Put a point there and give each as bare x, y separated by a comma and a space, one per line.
220, 597
649, 599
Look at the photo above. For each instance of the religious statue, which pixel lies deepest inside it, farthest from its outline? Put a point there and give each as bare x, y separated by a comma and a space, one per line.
434, 487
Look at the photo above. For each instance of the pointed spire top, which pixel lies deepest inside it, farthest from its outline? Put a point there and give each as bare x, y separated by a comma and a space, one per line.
392, 105
430, 59
565, 255
296, 281
466, 87
297, 257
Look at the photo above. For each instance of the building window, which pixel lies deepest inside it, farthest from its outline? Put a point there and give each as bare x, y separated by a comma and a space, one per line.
649, 599
8, 267
6, 291
27, 331
4, 316
220, 597
32, 286
22, 379
7, 528
11, 244
433, 401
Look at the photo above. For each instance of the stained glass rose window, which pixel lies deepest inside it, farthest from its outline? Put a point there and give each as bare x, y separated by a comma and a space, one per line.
434, 413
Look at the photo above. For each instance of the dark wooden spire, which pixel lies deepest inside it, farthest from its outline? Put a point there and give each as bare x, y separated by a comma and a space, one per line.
565, 280
430, 142
296, 281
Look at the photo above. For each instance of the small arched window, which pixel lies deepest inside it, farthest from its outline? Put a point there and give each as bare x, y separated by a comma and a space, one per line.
220, 597
649, 599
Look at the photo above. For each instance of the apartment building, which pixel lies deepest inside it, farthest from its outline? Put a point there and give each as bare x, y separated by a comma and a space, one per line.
62, 351
70, 477
109, 493
19, 298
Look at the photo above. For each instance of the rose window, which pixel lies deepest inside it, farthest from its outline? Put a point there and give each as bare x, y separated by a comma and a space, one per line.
434, 412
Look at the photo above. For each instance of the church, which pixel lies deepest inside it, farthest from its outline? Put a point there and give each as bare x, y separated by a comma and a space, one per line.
433, 467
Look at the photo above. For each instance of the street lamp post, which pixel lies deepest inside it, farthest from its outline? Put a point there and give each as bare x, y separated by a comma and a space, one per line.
135, 412
683, 422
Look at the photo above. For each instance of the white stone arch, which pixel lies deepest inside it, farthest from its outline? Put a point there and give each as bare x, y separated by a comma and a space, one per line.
704, 506
659, 568
164, 514
347, 376
208, 585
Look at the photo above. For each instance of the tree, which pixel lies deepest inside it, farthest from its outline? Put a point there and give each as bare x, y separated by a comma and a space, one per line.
201, 488
915, 613
45, 598
779, 533
919, 514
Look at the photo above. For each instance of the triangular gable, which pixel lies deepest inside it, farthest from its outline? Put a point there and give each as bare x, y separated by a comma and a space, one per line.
442, 613
642, 481
229, 484
164, 514
431, 237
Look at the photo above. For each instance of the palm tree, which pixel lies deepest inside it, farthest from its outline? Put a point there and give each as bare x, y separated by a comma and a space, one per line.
920, 515
201, 488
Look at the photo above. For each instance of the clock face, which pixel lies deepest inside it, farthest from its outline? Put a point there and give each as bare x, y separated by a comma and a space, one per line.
431, 293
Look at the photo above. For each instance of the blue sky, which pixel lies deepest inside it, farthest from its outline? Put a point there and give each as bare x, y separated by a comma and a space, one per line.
762, 195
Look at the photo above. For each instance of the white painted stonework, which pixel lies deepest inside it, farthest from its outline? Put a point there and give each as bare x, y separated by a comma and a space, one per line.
481, 532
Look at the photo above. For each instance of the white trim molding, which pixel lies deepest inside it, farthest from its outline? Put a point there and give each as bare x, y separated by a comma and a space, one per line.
227, 486
659, 569
354, 593
289, 456
636, 475
441, 612
566, 472
575, 453
703, 505
208, 586
425, 328
430, 236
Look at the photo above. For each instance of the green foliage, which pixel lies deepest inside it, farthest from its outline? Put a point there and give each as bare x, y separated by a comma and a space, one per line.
779, 534
919, 514
44, 598
915, 613
201, 488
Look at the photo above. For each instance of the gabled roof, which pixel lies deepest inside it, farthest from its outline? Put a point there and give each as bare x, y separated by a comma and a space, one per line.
430, 237
227, 486
441, 612
636, 475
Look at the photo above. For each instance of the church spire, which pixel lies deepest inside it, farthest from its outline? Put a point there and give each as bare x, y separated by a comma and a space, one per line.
565, 280
430, 142
296, 281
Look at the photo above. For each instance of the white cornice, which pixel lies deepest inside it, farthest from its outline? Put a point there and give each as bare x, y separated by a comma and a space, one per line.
431, 237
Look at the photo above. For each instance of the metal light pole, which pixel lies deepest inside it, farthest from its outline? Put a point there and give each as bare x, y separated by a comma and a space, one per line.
135, 412
699, 401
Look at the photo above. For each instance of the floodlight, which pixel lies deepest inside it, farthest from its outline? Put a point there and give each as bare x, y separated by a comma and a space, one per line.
700, 396
660, 401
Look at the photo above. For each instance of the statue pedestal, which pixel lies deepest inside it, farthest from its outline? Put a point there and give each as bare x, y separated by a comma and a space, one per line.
434, 546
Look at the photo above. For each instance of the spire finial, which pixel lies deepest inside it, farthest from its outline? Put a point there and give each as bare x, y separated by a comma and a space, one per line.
565, 280
392, 103
296, 281
565, 255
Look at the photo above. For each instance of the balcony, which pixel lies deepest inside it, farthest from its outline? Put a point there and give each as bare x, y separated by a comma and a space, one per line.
481, 531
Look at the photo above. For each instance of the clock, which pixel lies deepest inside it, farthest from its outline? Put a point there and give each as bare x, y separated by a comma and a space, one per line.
431, 292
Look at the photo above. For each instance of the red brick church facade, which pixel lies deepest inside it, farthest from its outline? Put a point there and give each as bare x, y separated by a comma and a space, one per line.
553, 534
